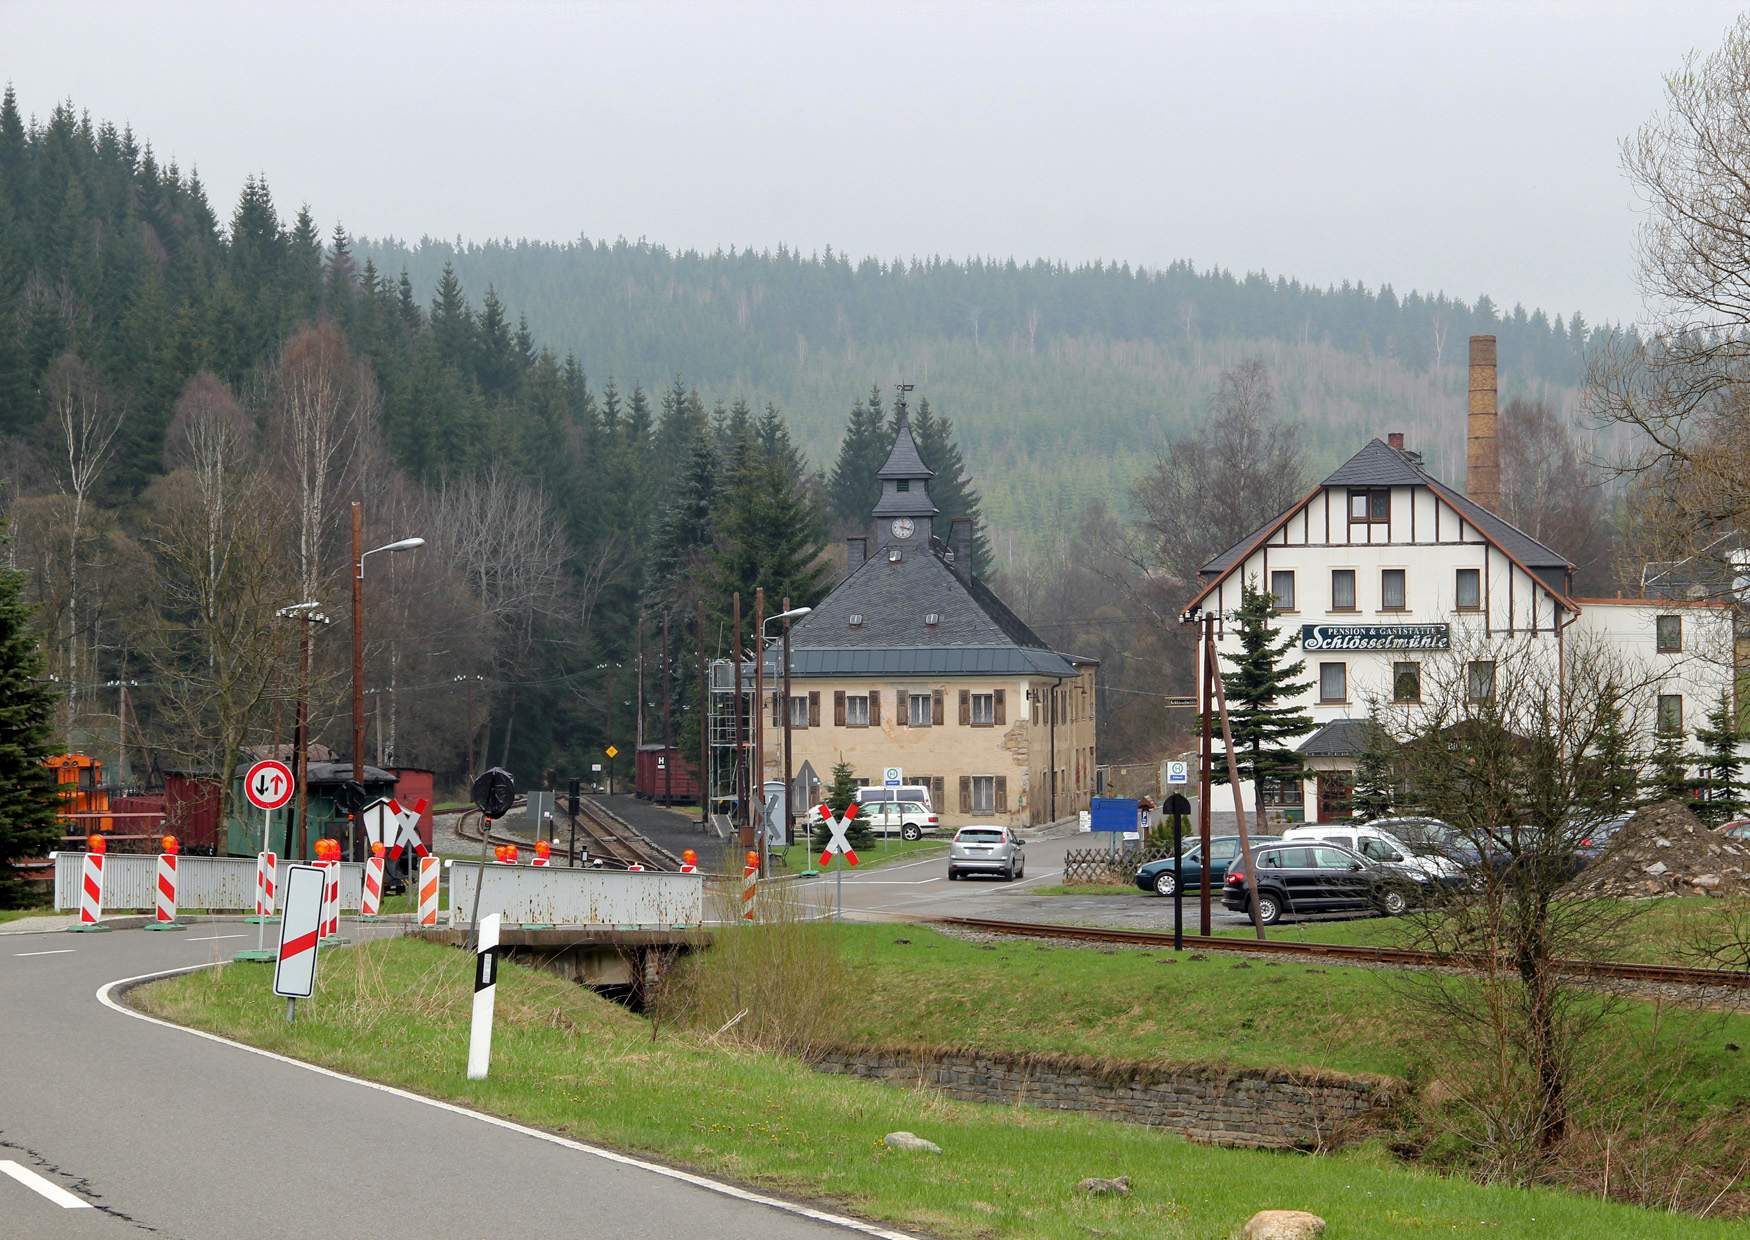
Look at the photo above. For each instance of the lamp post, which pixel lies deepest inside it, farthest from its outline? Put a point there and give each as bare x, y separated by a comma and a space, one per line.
307, 614
358, 630
793, 613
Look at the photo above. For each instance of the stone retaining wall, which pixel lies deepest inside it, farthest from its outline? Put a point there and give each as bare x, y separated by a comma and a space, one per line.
1279, 1108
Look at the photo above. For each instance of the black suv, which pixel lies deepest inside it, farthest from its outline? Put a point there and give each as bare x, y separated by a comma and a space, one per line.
1316, 878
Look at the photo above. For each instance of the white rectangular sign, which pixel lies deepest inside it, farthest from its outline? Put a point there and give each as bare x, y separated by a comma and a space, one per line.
1178, 772
294, 971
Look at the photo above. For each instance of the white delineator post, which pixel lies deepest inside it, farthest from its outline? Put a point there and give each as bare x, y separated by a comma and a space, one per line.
330, 899
164, 903
266, 874
428, 891
371, 900
91, 889
750, 886
485, 992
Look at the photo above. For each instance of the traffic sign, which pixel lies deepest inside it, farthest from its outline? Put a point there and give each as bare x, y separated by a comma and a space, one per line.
892, 777
268, 784
294, 973
595, 768
1113, 814
1178, 773
840, 841
612, 751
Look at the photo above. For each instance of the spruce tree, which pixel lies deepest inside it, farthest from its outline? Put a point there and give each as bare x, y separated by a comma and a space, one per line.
1609, 783
839, 795
854, 487
1720, 765
1260, 691
1373, 774
1667, 776
28, 827
951, 488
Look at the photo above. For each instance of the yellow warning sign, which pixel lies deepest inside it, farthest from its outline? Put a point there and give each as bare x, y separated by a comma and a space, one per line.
612, 751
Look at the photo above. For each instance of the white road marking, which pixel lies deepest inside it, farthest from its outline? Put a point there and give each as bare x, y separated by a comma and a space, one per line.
47, 1188
59, 951
625, 1160
211, 937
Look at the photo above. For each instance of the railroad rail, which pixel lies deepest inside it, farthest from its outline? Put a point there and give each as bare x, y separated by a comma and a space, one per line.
602, 837
1644, 973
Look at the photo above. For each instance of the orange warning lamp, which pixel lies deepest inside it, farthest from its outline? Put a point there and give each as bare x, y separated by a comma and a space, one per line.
510, 853
96, 843
753, 859
169, 845
543, 849
689, 857
376, 850
498, 853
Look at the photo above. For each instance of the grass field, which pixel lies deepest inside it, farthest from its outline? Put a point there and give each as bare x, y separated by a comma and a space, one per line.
565, 1060
13, 914
799, 857
1085, 889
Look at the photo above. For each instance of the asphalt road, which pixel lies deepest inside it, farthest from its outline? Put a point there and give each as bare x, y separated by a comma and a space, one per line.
163, 1132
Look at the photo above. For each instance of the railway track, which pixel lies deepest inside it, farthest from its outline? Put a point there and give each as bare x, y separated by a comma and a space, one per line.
1657, 974
601, 837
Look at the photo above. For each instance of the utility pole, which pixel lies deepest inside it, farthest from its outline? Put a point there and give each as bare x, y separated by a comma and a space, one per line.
1205, 786
669, 755
740, 765
757, 781
789, 792
302, 740
638, 714
704, 719
358, 643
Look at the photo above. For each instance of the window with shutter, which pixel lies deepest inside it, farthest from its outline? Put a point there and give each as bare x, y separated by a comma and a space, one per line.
984, 711
965, 707
838, 708
901, 716
874, 707
1002, 794
966, 794
777, 711
937, 716
814, 708
999, 711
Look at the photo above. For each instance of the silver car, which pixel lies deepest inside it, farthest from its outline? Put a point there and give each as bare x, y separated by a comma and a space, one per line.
987, 850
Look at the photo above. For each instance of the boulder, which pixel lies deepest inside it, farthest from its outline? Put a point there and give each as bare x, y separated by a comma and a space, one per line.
1283, 1225
1094, 1186
910, 1141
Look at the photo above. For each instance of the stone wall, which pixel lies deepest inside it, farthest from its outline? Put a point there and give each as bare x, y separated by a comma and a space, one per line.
1280, 1108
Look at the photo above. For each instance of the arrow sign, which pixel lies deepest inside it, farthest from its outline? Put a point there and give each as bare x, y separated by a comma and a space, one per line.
294, 975
268, 784
840, 842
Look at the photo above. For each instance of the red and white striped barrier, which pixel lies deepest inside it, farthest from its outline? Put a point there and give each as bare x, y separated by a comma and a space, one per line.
750, 879
166, 886
330, 899
371, 901
91, 889
428, 891
266, 870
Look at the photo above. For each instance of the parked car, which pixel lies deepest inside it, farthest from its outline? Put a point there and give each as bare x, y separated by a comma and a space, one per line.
1308, 878
1426, 863
904, 812
1595, 837
1163, 876
1738, 829
984, 849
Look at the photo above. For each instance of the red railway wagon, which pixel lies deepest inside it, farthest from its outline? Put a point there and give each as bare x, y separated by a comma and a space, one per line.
664, 775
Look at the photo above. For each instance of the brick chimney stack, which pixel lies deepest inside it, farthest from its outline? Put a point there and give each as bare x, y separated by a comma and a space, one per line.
1482, 478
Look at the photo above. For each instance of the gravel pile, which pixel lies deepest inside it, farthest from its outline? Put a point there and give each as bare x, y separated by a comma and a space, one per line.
1665, 850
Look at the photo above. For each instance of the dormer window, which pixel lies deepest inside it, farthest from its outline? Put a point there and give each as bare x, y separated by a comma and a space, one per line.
933, 618
893, 556
903, 485
856, 619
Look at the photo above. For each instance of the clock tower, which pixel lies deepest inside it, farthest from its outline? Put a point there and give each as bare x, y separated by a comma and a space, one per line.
904, 512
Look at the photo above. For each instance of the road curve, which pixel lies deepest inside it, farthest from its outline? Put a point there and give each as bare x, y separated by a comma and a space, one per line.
172, 1133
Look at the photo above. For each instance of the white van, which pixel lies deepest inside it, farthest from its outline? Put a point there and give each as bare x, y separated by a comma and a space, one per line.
1424, 865
904, 811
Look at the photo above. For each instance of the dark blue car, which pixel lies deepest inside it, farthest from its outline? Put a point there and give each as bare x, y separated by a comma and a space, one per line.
1163, 877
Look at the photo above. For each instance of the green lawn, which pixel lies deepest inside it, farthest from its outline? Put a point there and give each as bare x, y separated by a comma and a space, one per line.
800, 857
565, 1060
13, 914
1085, 889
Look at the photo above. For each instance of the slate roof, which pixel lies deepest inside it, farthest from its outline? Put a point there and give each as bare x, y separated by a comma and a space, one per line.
905, 461
1378, 464
1340, 738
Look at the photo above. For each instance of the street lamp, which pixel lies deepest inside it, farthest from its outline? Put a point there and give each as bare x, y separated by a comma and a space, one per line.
358, 630
307, 614
794, 613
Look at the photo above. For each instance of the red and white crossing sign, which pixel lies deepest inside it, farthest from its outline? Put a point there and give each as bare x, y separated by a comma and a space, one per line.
294, 972
395, 826
268, 784
840, 842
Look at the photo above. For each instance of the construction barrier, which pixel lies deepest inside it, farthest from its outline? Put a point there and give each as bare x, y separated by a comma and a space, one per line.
216, 883
562, 896
429, 869
371, 898
91, 888
266, 876
331, 898
750, 881
165, 913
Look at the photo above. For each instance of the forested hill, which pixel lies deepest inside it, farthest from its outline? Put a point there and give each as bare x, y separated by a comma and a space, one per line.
1061, 380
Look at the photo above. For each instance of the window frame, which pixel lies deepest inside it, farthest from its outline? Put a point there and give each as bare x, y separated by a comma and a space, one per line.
1288, 607
1458, 603
851, 701
1379, 514
989, 784
1343, 672
1470, 682
798, 710
1403, 589
1660, 727
1659, 644
1354, 590
911, 700
1285, 793
1398, 668
990, 719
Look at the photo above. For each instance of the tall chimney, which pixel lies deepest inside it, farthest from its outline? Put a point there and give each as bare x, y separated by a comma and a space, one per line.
960, 543
1482, 479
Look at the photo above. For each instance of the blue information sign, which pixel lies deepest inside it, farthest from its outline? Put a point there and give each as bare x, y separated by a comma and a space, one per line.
1112, 814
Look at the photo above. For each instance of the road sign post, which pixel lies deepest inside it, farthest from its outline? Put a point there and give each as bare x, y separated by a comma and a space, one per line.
892, 777
268, 785
838, 844
485, 993
1178, 807
294, 974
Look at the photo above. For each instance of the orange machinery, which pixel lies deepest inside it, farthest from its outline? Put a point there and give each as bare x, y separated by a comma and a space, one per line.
84, 799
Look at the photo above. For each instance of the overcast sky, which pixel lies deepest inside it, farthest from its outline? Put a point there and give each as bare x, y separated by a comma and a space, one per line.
1470, 148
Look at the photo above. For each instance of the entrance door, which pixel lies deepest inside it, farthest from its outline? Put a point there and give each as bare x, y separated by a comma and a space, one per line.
1336, 796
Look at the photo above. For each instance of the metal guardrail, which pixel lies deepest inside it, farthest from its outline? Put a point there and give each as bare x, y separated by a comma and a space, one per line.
560, 896
201, 882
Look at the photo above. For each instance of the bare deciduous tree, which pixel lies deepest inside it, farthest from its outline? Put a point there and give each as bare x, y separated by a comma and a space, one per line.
1552, 491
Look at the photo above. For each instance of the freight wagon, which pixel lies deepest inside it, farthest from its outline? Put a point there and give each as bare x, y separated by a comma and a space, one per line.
663, 775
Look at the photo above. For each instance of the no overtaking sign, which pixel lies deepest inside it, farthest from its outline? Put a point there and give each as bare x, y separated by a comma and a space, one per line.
268, 784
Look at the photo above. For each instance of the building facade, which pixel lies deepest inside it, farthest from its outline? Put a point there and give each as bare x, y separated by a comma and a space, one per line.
1387, 576
913, 662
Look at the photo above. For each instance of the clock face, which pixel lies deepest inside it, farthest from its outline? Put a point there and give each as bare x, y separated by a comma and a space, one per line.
902, 527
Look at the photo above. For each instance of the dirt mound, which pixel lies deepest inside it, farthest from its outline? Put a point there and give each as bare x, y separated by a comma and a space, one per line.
1665, 850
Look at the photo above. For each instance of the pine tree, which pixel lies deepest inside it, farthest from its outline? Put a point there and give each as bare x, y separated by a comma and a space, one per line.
1720, 765
1609, 784
1259, 688
1668, 776
28, 827
1373, 774
854, 487
951, 488
839, 795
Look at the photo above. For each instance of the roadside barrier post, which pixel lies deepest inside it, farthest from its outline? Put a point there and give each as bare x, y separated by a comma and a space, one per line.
485, 992
164, 902
91, 886
371, 898
428, 891
750, 878
331, 894
266, 877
